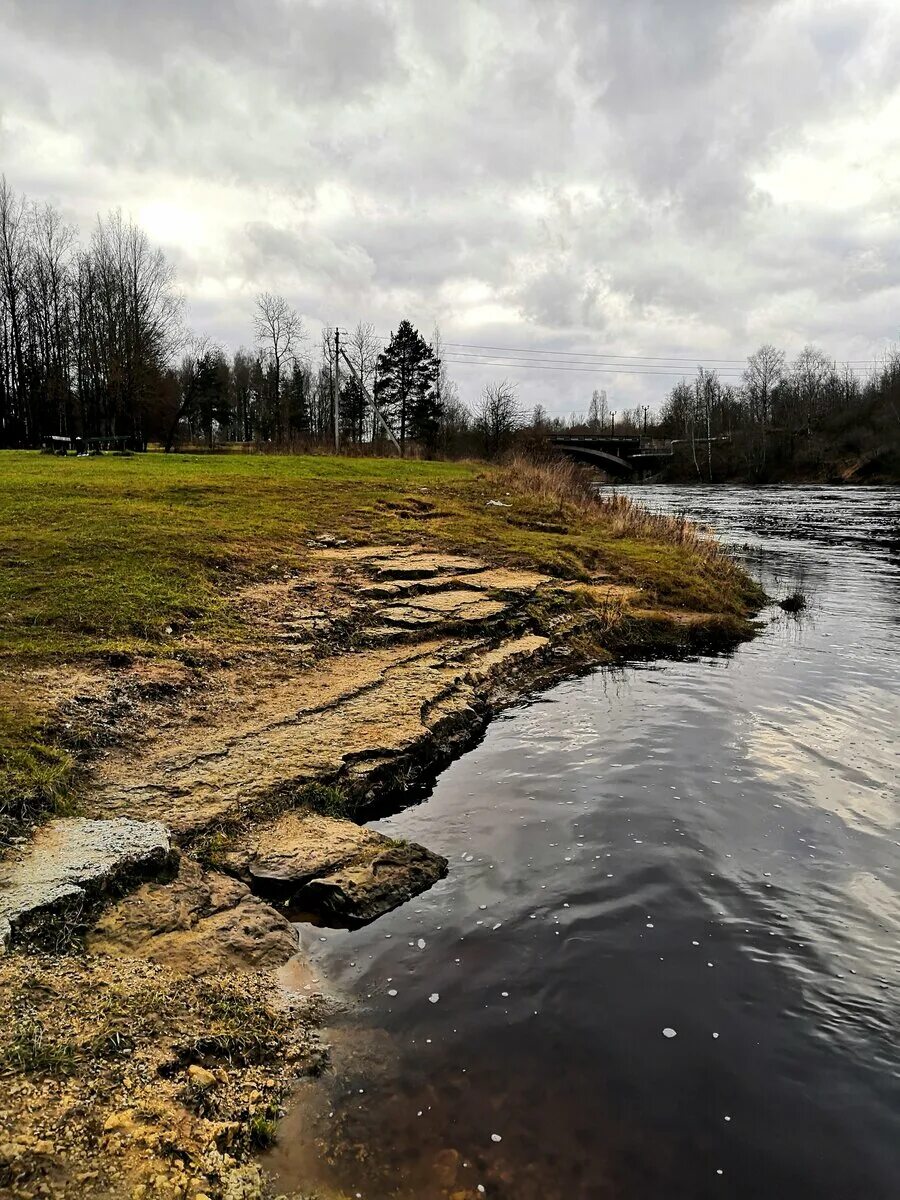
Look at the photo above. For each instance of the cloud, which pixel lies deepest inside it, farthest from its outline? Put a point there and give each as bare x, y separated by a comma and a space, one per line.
642, 178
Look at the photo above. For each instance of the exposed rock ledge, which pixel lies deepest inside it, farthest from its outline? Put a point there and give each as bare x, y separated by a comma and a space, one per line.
200, 922
343, 872
73, 861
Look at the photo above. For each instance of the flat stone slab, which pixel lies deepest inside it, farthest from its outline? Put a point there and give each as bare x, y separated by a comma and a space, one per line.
303, 846
72, 860
345, 873
441, 608
375, 883
422, 566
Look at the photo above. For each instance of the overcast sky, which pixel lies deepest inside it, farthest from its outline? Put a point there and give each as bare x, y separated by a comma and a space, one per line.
667, 178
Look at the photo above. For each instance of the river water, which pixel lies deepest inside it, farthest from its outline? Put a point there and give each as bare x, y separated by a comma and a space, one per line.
665, 962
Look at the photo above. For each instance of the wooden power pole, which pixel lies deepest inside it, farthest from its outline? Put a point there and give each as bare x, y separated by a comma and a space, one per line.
337, 391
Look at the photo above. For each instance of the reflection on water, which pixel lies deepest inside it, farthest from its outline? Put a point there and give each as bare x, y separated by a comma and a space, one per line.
708, 847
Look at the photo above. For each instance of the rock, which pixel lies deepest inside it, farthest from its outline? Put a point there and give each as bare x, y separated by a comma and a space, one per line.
422, 566
339, 869
380, 591
200, 922
300, 847
72, 861
446, 1167
201, 1078
374, 883
442, 608
123, 1120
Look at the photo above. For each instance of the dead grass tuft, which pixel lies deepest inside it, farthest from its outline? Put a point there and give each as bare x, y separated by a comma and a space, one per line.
572, 488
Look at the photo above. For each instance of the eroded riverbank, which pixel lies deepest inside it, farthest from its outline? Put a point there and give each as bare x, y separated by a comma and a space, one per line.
222, 765
150, 1038
706, 846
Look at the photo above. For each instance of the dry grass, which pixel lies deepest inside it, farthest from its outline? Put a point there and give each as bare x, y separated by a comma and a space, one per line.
572, 486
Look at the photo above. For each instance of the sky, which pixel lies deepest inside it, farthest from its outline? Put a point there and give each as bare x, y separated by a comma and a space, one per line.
612, 191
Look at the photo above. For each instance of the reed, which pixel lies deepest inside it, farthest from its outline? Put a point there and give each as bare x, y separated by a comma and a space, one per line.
572, 487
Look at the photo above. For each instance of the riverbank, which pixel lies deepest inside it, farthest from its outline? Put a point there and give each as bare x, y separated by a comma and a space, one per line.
213, 671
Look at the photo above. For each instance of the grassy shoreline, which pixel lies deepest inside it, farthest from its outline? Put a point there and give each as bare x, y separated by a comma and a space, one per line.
151, 667
106, 559
129, 554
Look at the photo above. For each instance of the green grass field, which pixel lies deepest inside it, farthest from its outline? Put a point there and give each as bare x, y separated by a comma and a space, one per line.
142, 555
108, 553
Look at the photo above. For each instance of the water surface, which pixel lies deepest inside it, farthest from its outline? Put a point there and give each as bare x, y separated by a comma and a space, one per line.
706, 847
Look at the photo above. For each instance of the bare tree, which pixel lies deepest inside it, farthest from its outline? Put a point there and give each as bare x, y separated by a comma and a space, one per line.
454, 418
811, 373
16, 411
53, 244
598, 412
130, 320
279, 333
498, 417
361, 347
764, 372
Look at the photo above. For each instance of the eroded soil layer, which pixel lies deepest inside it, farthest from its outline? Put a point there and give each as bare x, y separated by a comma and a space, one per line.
149, 1054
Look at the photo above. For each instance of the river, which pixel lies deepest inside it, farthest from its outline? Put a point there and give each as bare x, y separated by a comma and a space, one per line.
665, 962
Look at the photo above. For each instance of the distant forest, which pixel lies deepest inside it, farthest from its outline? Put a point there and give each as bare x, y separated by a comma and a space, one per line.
806, 419
93, 344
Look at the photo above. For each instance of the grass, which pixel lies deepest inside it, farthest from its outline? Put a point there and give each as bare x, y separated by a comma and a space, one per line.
106, 555
32, 1051
794, 602
680, 564
212, 846
328, 800
37, 778
109, 557
234, 1025
95, 1057
263, 1130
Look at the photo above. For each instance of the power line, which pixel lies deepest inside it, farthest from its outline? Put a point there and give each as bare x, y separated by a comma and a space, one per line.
729, 373
463, 348
649, 358
517, 357
461, 359
537, 366
554, 360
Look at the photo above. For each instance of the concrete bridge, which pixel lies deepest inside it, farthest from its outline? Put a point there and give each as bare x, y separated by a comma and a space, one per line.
621, 456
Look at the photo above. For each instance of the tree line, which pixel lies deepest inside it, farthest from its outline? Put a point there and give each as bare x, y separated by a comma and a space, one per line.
87, 333
785, 415
93, 344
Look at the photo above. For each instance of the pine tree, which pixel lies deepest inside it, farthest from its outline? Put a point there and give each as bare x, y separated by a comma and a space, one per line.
406, 389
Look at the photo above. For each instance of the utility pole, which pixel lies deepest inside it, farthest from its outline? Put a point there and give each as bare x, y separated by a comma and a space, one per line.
377, 414
337, 390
